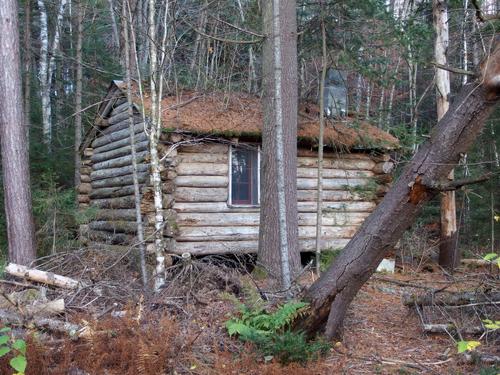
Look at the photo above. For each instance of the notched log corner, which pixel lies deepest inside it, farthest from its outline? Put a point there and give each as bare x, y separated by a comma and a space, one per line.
418, 191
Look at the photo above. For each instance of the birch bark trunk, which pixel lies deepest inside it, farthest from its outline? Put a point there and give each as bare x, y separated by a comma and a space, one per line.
137, 192
156, 78
319, 206
47, 65
15, 160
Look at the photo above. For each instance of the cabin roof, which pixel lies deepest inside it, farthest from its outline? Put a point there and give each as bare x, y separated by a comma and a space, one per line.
240, 115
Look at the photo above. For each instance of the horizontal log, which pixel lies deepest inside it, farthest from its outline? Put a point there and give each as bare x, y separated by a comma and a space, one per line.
340, 206
383, 167
111, 192
201, 169
115, 203
202, 157
333, 173
122, 151
119, 107
189, 194
337, 206
202, 181
232, 219
111, 238
139, 137
115, 172
337, 163
126, 214
121, 117
120, 125
209, 148
83, 198
252, 232
302, 152
120, 181
331, 183
451, 299
247, 246
328, 195
84, 188
121, 134
121, 161
127, 227
42, 276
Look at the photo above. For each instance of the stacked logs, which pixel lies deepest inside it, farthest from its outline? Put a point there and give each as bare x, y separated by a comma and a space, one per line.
383, 176
110, 186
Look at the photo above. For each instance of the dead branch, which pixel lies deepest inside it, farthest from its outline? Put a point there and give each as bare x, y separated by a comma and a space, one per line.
458, 184
42, 276
454, 70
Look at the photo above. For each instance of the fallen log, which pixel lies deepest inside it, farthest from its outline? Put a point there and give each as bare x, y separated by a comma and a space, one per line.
42, 276
54, 325
448, 328
452, 299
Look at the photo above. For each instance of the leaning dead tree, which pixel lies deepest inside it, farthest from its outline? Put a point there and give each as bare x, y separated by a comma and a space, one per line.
422, 179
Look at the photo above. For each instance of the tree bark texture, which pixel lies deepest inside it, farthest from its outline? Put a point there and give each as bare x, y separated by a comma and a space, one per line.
15, 160
279, 229
331, 295
449, 255
78, 93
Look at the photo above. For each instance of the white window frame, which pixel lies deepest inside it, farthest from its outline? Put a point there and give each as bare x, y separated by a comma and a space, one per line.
230, 179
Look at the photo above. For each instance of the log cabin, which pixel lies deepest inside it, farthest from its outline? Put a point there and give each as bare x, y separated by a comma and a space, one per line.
210, 170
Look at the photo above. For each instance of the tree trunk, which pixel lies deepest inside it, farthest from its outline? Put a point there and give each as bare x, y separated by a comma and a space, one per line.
319, 201
78, 93
43, 72
27, 67
331, 295
14, 146
278, 250
448, 251
156, 82
137, 192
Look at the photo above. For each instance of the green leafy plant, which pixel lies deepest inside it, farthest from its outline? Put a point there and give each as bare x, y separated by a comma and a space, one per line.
492, 258
15, 346
271, 334
467, 346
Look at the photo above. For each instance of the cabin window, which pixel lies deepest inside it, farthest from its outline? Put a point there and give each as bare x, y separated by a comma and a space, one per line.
244, 176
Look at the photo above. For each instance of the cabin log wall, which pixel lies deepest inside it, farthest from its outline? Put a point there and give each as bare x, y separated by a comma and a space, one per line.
107, 177
206, 224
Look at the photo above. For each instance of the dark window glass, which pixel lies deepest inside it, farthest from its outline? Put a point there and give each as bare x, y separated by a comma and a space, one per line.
244, 176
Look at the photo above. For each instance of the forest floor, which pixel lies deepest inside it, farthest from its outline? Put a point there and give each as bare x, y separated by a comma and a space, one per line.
181, 330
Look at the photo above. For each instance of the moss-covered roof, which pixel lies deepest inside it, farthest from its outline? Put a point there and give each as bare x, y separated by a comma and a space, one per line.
239, 114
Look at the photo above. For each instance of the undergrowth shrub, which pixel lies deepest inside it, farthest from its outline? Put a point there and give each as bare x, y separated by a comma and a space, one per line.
327, 257
270, 331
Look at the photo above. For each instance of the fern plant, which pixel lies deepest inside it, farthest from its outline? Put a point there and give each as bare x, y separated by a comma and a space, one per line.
271, 334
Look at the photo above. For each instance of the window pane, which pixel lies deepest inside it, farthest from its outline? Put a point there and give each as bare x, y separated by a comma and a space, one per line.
244, 176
